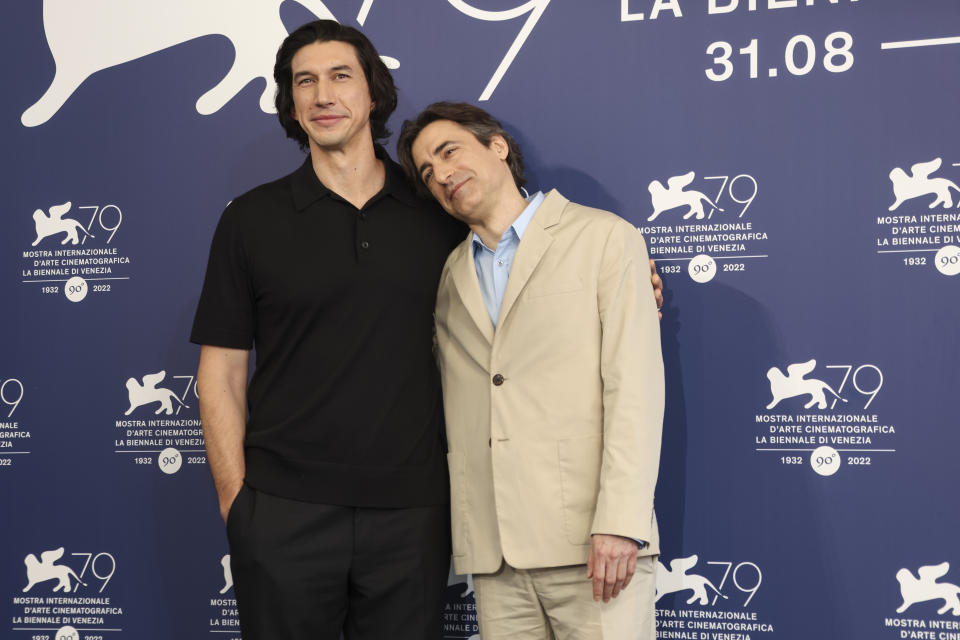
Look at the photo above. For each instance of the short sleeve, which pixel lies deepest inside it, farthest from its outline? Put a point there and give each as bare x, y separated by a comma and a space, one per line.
225, 313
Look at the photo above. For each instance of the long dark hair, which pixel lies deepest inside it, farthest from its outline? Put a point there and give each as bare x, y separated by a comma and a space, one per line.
383, 92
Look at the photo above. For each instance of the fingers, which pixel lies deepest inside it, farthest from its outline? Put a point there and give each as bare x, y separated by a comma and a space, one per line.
631, 569
657, 283
618, 576
610, 588
608, 576
611, 563
599, 576
615, 576
622, 565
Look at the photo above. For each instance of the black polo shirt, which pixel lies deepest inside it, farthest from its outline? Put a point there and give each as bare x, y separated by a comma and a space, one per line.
344, 402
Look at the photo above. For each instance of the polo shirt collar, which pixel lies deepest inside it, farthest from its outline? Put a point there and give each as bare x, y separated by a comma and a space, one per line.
396, 183
307, 187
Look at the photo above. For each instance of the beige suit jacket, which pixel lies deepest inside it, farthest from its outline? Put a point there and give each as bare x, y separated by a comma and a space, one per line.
568, 443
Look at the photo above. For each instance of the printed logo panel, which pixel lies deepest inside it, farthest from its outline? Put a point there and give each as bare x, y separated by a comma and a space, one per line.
159, 426
819, 417
924, 231
255, 30
710, 233
75, 255
709, 600
66, 596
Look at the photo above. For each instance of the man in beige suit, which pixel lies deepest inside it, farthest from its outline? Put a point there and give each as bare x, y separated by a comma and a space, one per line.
549, 351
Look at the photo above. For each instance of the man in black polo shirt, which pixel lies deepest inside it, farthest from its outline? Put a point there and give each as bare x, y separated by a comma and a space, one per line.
334, 489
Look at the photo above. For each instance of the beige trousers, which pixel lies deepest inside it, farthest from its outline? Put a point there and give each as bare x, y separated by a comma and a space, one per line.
557, 604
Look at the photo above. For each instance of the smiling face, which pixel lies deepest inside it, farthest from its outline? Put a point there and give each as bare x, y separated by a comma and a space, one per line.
466, 177
331, 99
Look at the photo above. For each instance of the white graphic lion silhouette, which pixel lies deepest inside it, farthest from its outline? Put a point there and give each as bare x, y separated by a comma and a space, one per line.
45, 569
677, 579
926, 587
116, 31
227, 574
673, 195
794, 384
51, 225
140, 395
919, 183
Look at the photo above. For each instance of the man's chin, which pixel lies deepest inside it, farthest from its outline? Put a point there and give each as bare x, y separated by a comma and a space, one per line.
327, 143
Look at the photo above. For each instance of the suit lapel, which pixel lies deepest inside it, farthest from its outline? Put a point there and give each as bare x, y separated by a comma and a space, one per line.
464, 274
532, 247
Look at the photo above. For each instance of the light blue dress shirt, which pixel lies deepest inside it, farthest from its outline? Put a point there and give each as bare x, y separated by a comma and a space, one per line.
493, 266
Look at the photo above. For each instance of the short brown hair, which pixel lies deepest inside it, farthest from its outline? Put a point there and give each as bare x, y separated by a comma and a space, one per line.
474, 119
383, 92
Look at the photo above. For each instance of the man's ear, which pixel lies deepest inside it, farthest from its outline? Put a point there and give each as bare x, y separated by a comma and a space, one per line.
499, 144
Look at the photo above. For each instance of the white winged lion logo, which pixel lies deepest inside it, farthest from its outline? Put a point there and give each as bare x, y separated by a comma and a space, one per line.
148, 392
673, 195
50, 225
794, 384
227, 574
919, 183
46, 569
926, 587
118, 31
677, 579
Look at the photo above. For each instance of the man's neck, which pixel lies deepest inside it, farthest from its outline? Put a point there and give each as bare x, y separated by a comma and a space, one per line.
355, 174
499, 218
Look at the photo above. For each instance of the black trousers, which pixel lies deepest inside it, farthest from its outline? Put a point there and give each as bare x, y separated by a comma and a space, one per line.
309, 571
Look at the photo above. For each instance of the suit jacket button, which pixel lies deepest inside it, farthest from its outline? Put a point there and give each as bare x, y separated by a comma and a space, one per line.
498, 380
490, 442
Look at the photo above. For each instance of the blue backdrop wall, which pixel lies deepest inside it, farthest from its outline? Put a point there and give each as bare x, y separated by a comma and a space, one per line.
794, 165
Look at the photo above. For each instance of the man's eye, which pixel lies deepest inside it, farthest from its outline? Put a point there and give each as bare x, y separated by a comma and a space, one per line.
427, 175
341, 76
304, 81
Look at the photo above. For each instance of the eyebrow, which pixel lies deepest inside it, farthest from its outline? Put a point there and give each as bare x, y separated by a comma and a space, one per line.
435, 152
307, 72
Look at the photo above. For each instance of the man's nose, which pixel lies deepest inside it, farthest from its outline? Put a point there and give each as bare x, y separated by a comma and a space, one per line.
442, 172
323, 93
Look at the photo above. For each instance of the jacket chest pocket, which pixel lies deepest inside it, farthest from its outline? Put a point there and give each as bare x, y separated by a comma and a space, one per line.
554, 286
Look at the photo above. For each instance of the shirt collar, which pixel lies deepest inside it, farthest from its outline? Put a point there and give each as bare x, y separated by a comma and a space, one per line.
395, 183
307, 187
519, 225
